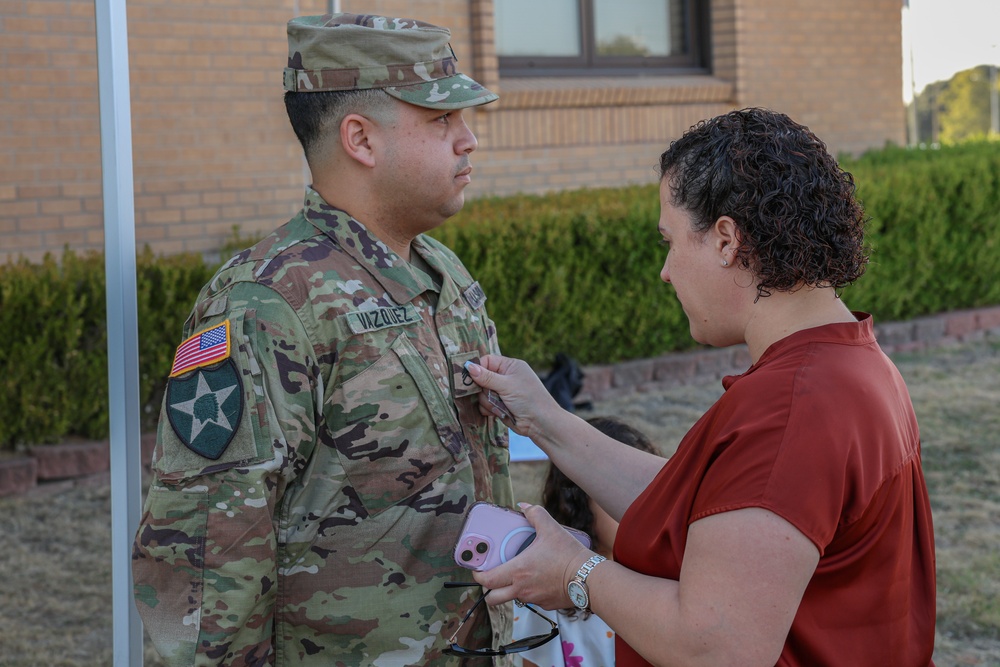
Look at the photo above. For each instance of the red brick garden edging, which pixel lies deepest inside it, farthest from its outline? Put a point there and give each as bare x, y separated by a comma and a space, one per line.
52, 467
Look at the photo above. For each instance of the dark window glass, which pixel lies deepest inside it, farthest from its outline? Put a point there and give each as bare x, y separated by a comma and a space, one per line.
547, 37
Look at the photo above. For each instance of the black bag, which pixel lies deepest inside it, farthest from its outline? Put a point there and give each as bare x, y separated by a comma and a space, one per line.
564, 382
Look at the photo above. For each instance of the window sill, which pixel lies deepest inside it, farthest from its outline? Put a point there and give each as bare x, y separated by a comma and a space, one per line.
549, 93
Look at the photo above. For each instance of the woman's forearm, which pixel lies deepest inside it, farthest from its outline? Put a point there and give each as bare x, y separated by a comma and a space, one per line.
610, 472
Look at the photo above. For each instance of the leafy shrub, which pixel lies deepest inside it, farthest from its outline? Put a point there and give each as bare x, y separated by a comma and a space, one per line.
935, 230
53, 364
574, 272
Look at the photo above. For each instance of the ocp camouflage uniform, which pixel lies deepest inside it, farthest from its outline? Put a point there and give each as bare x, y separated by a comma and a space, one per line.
310, 484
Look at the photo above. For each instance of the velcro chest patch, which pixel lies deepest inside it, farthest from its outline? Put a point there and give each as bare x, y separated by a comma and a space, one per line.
474, 296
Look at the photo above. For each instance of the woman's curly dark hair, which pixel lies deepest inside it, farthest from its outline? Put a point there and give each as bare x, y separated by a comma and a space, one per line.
798, 221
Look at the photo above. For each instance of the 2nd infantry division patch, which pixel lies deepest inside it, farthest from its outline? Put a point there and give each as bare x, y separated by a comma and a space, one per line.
205, 408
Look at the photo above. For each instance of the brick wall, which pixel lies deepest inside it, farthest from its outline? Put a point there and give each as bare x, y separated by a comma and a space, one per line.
559, 133
834, 66
212, 146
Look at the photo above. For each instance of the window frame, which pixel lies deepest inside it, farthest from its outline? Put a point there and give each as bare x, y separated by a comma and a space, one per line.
695, 60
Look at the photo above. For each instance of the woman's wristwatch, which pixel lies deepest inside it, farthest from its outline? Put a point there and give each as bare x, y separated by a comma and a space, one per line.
577, 589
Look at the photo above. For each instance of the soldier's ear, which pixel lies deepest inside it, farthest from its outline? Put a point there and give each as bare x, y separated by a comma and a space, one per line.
356, 133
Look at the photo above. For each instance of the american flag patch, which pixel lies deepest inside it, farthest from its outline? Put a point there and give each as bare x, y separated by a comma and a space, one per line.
202, 349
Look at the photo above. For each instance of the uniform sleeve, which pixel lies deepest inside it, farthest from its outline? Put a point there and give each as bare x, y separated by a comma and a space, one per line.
232, 435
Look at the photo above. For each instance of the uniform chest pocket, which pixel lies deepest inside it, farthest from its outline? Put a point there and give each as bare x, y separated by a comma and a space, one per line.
392, 428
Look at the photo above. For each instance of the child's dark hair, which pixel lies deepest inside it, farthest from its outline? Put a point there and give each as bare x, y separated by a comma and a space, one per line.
567, 502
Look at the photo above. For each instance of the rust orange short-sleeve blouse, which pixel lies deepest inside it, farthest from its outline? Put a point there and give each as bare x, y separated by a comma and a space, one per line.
820, 431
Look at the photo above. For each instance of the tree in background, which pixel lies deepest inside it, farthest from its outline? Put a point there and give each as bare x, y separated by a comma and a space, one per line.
966, 104
928, 112
957, 109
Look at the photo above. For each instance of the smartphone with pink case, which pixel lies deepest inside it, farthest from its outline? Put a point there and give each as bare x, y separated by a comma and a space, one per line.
492, 535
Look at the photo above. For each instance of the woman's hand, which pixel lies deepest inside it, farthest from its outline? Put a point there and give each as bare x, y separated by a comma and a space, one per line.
514, 394
540, 573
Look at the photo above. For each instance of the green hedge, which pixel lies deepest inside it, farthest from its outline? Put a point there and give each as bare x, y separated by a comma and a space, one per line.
574, 272
935, 230
579, 271
53, 362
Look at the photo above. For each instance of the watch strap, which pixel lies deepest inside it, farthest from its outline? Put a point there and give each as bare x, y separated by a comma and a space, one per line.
589, 564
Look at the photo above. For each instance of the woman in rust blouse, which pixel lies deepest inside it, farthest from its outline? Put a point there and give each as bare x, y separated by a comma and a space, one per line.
792, 525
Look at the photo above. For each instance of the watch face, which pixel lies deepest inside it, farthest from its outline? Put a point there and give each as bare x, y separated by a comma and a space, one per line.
577, 594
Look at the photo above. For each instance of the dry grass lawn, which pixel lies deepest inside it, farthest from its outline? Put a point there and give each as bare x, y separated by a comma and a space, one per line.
55, 595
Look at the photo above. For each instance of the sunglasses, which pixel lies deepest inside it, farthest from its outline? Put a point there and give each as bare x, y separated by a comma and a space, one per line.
516, 646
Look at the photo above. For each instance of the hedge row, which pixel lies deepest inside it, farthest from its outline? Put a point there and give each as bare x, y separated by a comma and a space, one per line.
935, 230
53, 361
574, 272
578, 272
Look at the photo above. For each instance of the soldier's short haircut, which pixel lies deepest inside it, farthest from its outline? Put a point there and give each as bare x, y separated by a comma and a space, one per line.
314, 115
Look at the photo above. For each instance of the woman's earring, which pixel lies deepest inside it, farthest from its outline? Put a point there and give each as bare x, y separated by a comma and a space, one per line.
725, 263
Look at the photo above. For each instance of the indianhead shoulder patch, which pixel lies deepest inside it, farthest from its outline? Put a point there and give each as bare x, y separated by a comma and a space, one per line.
205, 408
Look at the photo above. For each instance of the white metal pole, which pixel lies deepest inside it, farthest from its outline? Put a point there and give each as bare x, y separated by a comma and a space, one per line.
994, 105
908, 37
123, 336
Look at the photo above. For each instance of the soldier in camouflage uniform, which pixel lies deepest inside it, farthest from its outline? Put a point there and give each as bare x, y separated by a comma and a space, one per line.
319, 442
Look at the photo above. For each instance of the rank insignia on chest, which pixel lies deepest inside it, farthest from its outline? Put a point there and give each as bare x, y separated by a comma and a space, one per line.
474, 296
205, 408
206, 347
461, 382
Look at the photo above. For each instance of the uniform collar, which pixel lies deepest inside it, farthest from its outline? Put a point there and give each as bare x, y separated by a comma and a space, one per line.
401, 281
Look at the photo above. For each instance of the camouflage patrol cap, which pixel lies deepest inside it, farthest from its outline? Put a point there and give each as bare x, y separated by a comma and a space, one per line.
408, 59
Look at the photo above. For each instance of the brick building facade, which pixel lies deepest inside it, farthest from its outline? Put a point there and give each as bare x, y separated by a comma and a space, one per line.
213, 149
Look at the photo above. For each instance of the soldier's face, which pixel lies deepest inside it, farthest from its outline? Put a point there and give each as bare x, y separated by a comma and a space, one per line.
426, 164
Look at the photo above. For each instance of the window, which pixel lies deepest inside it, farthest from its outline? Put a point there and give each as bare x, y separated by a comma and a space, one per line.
553, 37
